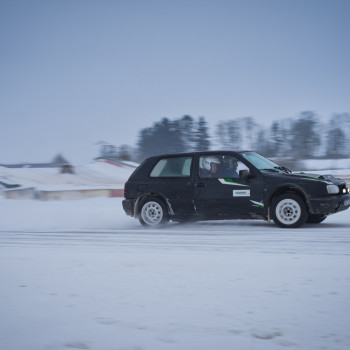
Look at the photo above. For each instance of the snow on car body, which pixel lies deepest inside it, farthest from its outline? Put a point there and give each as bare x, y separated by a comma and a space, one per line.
220, 185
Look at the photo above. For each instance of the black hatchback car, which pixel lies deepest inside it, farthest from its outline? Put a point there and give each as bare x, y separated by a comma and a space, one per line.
220, 185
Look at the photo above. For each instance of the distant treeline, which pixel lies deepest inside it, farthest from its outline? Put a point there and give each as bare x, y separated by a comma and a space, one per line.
302, 137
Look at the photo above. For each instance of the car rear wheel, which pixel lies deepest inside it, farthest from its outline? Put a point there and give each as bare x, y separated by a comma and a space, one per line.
316, 218
153, 212
289, 210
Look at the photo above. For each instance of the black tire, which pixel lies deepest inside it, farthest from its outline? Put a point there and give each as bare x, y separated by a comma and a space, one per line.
153, 212
316, 218
289, 211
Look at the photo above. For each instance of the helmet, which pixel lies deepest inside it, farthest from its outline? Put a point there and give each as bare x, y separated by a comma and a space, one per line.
230, 162
208, 160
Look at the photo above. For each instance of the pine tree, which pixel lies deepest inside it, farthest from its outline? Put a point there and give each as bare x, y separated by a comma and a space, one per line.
202, 141
305, 139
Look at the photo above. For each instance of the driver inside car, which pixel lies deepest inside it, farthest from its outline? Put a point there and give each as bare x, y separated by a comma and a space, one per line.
230, 168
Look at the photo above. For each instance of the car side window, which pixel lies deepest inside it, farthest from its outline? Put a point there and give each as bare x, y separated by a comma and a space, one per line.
220, 166
172, 167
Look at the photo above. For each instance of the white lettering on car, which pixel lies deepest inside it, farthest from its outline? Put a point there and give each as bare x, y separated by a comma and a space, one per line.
241, 193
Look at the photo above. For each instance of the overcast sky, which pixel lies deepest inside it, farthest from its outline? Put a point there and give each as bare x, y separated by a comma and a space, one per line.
75, 72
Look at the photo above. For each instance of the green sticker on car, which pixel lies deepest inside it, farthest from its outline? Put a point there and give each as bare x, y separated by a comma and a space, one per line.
231, 182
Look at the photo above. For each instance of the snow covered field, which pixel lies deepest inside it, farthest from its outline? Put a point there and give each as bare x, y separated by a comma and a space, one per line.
90, 175
82, 275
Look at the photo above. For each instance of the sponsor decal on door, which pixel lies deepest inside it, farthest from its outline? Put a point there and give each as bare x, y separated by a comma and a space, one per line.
241, 193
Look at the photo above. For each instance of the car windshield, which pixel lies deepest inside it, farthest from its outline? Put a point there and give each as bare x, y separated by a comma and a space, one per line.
264, 164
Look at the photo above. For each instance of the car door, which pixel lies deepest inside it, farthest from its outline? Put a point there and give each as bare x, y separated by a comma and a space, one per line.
172, 179
221, 195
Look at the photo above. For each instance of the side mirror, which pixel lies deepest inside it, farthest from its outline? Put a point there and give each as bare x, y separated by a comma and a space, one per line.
244, 174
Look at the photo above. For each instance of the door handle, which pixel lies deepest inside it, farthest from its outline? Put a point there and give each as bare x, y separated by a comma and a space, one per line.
201, 184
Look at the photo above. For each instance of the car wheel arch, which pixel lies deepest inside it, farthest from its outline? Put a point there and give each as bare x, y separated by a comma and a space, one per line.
140, 199
289, 189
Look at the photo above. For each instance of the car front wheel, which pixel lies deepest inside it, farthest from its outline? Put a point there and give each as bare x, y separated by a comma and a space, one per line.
289, 210
153, 212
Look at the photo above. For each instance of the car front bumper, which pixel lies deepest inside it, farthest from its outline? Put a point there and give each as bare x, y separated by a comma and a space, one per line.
330, 204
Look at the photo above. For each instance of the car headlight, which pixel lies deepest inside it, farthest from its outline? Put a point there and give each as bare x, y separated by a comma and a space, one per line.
332, 189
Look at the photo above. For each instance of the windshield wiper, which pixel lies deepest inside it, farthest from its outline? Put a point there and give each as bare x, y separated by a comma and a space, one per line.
283, 168
270, 169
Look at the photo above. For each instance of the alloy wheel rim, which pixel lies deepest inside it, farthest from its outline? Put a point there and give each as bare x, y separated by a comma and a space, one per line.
152, 213
288, 211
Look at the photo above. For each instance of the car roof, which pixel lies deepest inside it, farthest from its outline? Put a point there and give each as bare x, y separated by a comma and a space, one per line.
197, 153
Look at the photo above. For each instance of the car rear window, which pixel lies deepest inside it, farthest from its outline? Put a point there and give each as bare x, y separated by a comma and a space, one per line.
172, 167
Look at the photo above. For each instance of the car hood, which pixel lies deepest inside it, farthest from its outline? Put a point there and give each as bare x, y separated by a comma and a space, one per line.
310, 176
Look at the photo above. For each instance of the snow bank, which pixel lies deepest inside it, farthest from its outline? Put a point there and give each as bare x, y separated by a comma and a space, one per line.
92, 175
326, 164
90, 180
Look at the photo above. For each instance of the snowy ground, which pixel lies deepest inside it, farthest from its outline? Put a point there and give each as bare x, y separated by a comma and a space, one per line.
82, 275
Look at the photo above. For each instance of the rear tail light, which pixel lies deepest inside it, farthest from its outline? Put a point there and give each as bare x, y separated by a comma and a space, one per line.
125, 189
